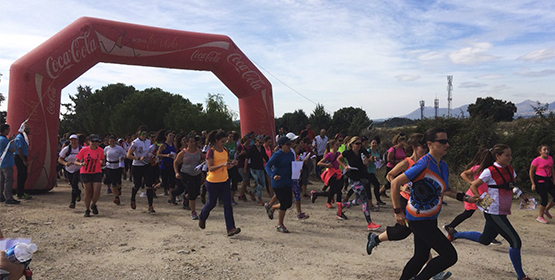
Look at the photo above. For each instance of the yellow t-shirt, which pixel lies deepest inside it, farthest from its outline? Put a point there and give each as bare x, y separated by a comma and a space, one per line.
219, 175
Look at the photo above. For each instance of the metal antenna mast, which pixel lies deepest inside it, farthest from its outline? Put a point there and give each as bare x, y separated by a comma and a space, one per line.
436, 105
449, 96
422, 103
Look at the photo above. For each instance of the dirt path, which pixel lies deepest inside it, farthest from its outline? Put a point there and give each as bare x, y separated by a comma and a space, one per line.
122, 243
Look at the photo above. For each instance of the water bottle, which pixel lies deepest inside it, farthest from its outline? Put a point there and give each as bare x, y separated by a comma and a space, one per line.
21, 252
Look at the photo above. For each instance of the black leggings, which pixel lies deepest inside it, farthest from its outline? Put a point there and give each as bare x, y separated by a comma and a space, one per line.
145, 172
74, 180
234, 177
191, 184
428, 236
460, 218
544, 188
374, 181
499, 224
336, 185
168, 178
398, 232
284, 196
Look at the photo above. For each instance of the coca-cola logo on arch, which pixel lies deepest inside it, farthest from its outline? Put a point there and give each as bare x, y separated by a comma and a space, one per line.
251, 76
80, 48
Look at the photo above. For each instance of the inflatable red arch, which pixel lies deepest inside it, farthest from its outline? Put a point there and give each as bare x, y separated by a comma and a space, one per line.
36, 79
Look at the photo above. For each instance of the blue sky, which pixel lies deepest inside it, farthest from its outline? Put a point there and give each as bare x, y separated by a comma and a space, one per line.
382, 56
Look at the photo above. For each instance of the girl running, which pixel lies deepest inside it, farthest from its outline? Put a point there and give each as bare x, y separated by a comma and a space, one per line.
395, 154
114, 156
141, 152
256, 155
189, 174
542, 176
374, 158
499, 176
357, 174
332, 177
67, 158
217, 181
166, 153
429, 177
91, 160
279, 169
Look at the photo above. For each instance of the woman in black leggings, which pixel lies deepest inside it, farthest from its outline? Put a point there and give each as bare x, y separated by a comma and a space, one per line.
429, 178
541, 175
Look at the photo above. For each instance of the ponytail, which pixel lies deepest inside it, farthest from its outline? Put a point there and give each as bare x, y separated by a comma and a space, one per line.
491, 156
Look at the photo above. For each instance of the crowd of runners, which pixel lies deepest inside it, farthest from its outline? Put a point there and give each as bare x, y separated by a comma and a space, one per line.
225, 168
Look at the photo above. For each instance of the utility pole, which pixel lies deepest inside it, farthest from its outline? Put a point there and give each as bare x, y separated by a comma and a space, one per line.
436, 105
422, 103
449, 92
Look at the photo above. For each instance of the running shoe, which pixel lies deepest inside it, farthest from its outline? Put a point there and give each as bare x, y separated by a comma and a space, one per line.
260, 202
143, 194
12, 201
108, 190
253, 198
302, 216
305, 196
151, 209
282, 229
116, 200
72, 205
194, 215
87, 213
269, 211
233, 202
329, 205
133, 204
446, 229
94, 209
381, 203
546, 213
2, 199
313, 196
525, 278
233, 232
78, 197
451, 234
541, 220
341, 216
442, 275
373, 226
201, 223
495, 242
24, 196
371, 242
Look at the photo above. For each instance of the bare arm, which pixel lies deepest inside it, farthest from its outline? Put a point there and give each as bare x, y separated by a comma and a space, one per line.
178, 160
531, 174
396, 197
468, 176
401, 167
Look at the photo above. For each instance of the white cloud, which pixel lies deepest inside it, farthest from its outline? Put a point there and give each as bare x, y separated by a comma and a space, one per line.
407, 78
539, 55
543, 73
472, 85
472, 55
489, 77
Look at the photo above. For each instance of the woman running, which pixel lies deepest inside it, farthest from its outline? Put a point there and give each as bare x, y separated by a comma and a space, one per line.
233, 173
372, 170
166, 153
114, 154
429, 177
91, 160
470, 175
67, 158
398, 231
357, 174
332, 177
542, 176
499, 175
256, 155
189, 174
395, 154
279, 168
140, 152
217, 181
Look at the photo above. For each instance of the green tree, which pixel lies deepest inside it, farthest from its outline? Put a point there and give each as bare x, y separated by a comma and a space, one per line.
350, 121
320, 119
217, 114
294, 122
498, 110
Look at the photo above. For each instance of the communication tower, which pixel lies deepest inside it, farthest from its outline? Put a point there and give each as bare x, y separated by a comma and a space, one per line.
436, 105
422, 103
449, 92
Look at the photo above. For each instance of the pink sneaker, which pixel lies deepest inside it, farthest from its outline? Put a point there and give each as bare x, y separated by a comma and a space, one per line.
541, 220
546, 213
373, 226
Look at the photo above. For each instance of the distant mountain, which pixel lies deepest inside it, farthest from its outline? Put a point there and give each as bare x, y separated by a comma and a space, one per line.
523, 109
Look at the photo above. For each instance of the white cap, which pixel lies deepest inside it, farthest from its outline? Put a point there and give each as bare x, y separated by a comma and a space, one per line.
291, 136
73, 136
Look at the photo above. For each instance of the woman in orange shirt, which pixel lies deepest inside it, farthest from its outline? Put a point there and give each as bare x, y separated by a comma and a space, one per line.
217, 181
91, 159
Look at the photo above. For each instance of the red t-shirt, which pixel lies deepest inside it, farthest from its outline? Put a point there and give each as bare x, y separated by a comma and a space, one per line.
92, 160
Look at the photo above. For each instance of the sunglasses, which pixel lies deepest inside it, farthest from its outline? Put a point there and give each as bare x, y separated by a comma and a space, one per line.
144, 134
358, 143
442, 141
